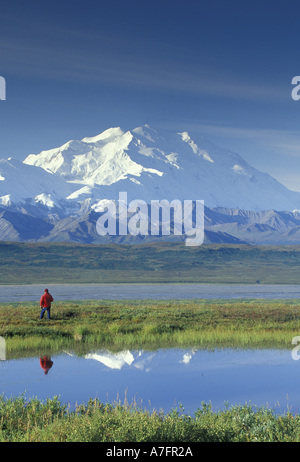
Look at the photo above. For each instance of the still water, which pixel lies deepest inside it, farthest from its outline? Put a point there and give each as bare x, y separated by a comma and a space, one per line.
149, 291
160, 379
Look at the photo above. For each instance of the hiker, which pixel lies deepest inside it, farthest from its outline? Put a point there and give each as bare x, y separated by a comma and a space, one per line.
45, 303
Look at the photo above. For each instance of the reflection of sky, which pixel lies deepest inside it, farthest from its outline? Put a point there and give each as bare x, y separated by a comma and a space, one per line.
162, 378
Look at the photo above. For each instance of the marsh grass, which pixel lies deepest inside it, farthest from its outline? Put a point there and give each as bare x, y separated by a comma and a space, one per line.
125, 323
51, 421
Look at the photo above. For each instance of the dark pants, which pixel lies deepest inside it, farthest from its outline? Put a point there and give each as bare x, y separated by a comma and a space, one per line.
43, 311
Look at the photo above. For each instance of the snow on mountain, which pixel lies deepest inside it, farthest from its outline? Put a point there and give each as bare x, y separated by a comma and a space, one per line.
147, 164
53, 195
21, 183
150, 164
101, 160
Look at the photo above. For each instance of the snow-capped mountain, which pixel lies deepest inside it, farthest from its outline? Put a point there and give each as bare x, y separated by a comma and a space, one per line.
150, 164
53, 195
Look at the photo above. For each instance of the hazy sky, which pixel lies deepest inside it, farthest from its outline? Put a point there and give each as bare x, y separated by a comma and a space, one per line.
222, 68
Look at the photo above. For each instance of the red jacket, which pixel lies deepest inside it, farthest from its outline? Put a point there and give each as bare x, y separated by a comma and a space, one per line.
46, 300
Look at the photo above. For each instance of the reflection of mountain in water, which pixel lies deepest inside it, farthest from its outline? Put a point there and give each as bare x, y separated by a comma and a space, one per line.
188, 356
137, 359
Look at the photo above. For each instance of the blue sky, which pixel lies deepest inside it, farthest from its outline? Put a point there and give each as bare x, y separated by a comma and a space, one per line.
222, 68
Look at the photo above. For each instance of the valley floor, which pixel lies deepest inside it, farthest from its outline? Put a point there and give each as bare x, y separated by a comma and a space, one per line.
66, 263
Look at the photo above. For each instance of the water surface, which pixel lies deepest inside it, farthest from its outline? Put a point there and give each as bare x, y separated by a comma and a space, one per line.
9, 293
161, 379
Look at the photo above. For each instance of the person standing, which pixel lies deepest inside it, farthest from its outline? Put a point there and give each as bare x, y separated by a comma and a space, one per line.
45, 303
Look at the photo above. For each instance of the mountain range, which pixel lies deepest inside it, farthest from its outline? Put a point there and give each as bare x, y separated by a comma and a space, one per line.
55, 195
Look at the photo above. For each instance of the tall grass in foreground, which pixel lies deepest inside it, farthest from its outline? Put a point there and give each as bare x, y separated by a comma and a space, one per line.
51, 421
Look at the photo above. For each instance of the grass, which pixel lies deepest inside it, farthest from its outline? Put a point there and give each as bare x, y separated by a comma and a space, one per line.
70, 263
51, 421
151, 324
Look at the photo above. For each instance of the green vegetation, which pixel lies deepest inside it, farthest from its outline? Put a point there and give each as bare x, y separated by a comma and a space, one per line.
51, 421
150, 324
49, 263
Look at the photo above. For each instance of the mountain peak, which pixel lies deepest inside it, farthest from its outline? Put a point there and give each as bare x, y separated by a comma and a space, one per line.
152, 164
147, 132
107, 134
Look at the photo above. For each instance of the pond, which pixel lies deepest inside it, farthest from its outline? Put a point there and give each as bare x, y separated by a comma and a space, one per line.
161, 379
